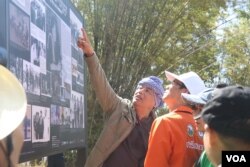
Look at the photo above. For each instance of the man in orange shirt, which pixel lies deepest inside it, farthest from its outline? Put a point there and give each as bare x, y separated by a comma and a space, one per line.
174, 140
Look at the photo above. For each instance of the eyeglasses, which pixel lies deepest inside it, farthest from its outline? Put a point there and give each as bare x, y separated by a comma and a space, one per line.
8, 150
178, 83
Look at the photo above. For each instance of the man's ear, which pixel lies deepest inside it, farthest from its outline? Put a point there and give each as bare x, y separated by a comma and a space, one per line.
213, 136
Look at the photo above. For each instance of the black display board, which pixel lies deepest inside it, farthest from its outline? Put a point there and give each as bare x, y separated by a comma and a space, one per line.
40, 38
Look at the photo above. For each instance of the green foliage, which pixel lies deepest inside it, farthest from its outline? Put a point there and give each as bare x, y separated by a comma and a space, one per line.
70, 158
236, 51
161, 111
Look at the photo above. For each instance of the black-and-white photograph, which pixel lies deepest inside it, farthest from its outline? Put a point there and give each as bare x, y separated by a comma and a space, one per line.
19, 27
66, 64
60, 115
60, 8
57, 89
31, 78
53, 44
40, 124
66, 93
37, 53
55, 114
42, 56
37, 13
75, 25
79, 79
46, 84
23, 4
77, 110
16, 66
27, 124
65, 116
77, 55
77, 71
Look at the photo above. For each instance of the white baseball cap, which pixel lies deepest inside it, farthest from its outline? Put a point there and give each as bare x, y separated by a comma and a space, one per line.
13, 102
191, 80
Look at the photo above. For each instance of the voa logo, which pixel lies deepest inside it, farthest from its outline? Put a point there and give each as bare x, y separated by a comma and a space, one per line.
236, 158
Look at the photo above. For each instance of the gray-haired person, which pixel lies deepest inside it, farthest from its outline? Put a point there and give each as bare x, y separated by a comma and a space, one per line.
124, 139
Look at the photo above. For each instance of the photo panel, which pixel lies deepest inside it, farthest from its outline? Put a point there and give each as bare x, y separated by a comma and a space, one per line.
46, 84
16, 66
19, 32
40, 124
31, 78
37, 14
77, 110
53, 41
41, 38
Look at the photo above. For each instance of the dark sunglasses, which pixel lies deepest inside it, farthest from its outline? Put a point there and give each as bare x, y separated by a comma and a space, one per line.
8, 150
179, 83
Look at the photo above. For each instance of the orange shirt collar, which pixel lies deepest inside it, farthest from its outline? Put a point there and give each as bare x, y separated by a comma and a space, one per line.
183, 108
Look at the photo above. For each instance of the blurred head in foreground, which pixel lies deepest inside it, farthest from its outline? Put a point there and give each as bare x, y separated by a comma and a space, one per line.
13, 105
227, 122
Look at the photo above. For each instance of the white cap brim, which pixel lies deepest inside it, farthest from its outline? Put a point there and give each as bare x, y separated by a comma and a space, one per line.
171, 76
13, 102
193, 99
191, 80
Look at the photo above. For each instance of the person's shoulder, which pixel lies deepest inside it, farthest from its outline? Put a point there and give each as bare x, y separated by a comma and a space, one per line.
124, 104
168, 120
125, 101
164, 123
164, 118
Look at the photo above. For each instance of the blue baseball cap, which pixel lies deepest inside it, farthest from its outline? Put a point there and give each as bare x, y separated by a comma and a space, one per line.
201, 98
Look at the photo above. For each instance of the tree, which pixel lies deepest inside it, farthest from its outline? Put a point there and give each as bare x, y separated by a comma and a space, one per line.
236, 50
235, 47
138, 38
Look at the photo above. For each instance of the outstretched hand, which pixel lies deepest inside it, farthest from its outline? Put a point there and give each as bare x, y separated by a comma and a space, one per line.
84, 43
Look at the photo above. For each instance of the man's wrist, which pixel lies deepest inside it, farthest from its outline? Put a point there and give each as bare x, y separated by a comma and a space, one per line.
89, 55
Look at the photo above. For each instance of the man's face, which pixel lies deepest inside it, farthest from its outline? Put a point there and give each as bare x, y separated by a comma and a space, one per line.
144, 97
172, 94
212, 146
